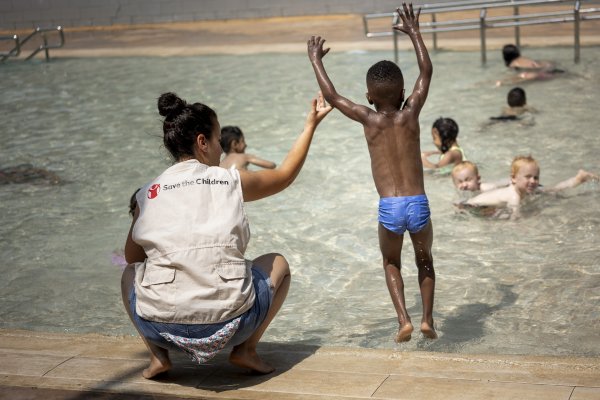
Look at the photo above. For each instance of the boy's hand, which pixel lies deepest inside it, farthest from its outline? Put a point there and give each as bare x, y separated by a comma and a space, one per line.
315, 48
410, 21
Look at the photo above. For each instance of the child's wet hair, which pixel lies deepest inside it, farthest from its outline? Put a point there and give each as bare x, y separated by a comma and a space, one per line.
228, 135
385, 72
465, 165
448, 131
516, 97
183, 123
519, 161
509, 53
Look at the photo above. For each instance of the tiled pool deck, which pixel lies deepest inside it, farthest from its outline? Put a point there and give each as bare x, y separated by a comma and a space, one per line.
38, 365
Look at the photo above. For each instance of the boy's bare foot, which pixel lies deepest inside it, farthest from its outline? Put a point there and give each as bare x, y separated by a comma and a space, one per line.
404, 333
245, 358
428, 330
157, 366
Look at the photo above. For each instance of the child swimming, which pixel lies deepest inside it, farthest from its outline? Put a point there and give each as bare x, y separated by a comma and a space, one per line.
527, 69
518, 109
525, 178
444, 134
465, 176
234, 146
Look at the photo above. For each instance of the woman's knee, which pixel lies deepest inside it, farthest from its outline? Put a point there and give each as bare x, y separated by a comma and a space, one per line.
274, 265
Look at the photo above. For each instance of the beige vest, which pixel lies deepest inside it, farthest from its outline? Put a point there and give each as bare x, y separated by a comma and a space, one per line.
194, 230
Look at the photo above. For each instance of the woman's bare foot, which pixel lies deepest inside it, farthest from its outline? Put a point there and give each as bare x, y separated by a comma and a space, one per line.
157, 365
428, 330
246, 358
404, 333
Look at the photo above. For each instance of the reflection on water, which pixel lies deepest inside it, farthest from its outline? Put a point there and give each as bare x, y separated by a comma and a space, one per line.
530, 286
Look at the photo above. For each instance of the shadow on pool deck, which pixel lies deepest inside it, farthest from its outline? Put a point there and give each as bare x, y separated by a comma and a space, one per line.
38, 365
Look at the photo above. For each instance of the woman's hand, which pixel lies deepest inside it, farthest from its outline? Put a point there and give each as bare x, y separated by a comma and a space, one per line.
260, 184
319, 110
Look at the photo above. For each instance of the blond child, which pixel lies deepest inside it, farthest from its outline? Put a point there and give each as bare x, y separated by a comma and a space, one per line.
525, 181
465, 176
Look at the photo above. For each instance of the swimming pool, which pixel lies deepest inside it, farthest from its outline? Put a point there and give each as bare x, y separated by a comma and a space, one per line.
524, 287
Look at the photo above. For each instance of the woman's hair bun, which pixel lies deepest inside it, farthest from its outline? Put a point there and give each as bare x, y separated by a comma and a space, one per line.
169, 104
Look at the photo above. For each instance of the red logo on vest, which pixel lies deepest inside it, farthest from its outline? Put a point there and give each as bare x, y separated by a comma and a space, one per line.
153, 191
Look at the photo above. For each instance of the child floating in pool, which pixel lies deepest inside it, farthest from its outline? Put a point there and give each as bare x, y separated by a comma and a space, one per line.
392, 133
465, 176
525, 177
234, 146
444, 133
527, 68
517, 109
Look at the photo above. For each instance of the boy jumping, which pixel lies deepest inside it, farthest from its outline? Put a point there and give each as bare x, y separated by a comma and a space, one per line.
392, 133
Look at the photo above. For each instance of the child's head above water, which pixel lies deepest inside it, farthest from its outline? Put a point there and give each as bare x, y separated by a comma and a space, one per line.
516, 97
385, 84
232, 139
465, 176
525, 174
444, 133
510, 52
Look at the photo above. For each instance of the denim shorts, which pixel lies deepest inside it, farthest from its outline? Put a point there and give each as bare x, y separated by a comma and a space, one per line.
249, 322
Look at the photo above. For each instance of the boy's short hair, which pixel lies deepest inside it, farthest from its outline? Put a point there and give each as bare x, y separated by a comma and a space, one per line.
464, 165
228, 135
519, 161
448, 130
516, 97
385, 72
509, 53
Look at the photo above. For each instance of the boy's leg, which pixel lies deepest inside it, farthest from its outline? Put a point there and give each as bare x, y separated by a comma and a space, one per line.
159, 357
391, 249
422, 242
277, 268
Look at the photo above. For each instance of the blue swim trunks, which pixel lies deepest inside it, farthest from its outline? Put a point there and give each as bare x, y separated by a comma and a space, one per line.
399, 214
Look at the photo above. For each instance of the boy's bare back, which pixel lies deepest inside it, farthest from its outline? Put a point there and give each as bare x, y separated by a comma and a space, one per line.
392, 131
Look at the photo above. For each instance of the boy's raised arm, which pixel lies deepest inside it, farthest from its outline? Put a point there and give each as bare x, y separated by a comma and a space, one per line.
410, 26
348, 108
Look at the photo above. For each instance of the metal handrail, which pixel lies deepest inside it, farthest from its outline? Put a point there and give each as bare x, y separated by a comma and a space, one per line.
42, 47
484, 22
15, 51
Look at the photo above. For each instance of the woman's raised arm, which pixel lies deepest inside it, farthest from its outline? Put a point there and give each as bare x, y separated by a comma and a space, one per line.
259, 184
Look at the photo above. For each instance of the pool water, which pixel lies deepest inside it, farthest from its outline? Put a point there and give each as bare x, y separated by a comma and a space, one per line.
523, 287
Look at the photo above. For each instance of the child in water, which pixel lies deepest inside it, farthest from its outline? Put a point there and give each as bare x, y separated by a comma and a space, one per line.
525, 182
234, 147
517, 109
444, 133
527, 68
465, 176
392, 134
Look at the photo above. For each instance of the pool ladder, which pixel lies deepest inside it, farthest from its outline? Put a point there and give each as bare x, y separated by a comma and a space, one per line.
45, 46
